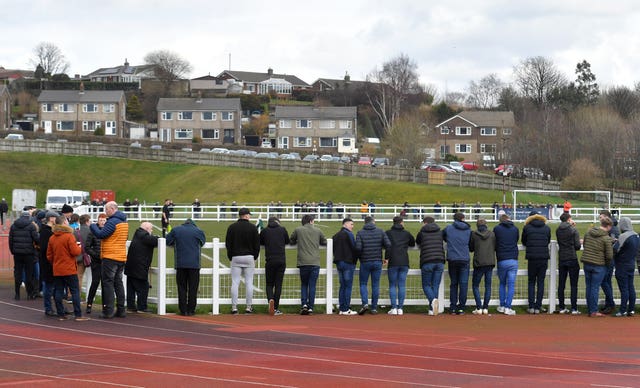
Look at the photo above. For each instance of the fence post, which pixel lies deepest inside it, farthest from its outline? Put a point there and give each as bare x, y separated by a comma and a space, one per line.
329, 277
553, 276
215, 308
162, 276
441, 294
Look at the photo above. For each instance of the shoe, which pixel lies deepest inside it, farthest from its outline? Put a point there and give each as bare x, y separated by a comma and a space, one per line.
400, 312
234, 312
543, 310
81, 319
596, 315
564, 311
121, 314
363, 309
278, 312
460, 312
304, 310
435, 305
249, 310
272, 308
477, 312
501, 309
373, 312
485, 311
620, 314
69, 301
310, 311
393, 312
106, 316
536, 311
631, 313
348, 312
64, 317
607, 310
50, 314
144, 311
16, 297
132, 311
531, 311
575, 312
431, 313
88, 311
508, 311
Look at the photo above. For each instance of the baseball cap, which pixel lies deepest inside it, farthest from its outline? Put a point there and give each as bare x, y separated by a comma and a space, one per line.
244, 211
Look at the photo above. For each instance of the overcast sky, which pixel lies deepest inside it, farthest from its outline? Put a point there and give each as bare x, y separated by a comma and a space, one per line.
452, 42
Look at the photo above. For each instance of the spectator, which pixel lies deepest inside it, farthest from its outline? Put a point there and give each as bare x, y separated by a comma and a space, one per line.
243, 248
46, 270
607, 286
308, 238
345, 258
187, 240
274, 238
166, 216
458, 236
81, 235
92, 246
197, 208
568, 243
596, 255
429, 239
369, 243
536, 236
625, 250
139, 259
507, 236
364, 209
4, 208
483, 246
23, 238
127, 206
397, 258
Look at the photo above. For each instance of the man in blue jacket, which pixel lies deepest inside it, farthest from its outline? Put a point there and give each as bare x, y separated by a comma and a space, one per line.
458, 236
369, 243
536, 236
507, 236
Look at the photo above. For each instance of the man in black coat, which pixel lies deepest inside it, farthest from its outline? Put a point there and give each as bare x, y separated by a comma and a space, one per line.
536, 236
23, 238
136, 268
274, 238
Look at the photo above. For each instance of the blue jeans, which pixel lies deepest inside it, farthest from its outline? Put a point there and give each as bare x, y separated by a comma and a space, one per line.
70, 281
345, 274
485, 272
507, 272
537, 271
627, 290
373, 268
47, 295
431, 277
397, 285
593, 276
607, 287
112, 284
308, 279
459, 275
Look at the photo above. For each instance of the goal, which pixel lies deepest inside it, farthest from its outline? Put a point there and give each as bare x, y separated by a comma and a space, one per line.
600, 199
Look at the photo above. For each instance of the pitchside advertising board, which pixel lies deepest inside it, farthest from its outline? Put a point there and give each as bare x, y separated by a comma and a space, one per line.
523, 213
21, 198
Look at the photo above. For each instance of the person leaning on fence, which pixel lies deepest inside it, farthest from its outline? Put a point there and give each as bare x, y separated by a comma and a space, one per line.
607, 285
187, 240
397, 258
536, 236
596, 255
483, 246
369, 243
429, 239
625, 250
507, 236
275, 238
308, 238
568, 239
458, 237
345, 257
243, 247
92, 246
139, 259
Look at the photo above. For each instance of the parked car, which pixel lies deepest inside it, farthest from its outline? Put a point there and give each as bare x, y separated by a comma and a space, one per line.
205, 150
380, 162
311, 158
326, 158
364, 161
220, 150
455, 166
265, 155
504, 170
156, 147
439, 168
470, 166
403, 163
136, 144
14, 136
250, 153
345, 159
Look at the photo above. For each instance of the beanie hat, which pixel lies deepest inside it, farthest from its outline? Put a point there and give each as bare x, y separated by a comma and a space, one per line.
66, 209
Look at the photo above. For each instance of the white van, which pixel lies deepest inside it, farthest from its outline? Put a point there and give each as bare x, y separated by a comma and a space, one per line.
56, 198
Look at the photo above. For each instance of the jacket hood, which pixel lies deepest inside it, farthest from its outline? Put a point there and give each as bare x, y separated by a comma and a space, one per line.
58, 229
430, 228
597, 232
536, 220
507, 224
483, 233
625, 224
564, 225
461, 225
120, 215
369, 226
397, 227
22, 222
273, 224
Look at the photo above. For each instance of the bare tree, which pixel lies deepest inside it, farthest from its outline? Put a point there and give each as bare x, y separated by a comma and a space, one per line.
537, 77
623, 100
169, 67
408, 137
50, 58
485, 93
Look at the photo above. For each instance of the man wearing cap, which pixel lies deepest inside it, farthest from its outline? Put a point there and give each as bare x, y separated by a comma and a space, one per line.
23, 236
308, 237
274, 238
243, 247
536, 236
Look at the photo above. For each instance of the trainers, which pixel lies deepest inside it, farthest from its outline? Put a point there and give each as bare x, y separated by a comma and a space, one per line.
248, 310
363, 309
436, 306
310, 311
631, 313
536, 311
393, 312
50, 314
272, 308
485, 311
373, 312
563, 311
607, 310
575, 312
477, 312
531, 311
620, 314
460, 312
596, 315
64, 317
430, 312
348, 312
508, 311
277, 312
304, 310
400, 312
501, 309
81, 319
234, 312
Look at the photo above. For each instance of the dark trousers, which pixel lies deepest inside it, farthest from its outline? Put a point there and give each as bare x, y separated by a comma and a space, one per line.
137, 289
112, 284
188, 280
274, 273
24, 263
536, 270
572, 269
96, 275
607, 286
71, 282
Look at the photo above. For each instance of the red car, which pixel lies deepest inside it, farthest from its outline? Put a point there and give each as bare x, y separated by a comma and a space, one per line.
470, 166
502, 170
364, 161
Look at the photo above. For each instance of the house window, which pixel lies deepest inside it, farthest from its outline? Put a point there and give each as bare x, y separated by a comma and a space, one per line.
345, 124
47, 107
211, 134
444, 151
484, 131
302, 142
328, 142
65, 108
182, 133
166, 115
444, 130
327, 124
89, 108
208, 116
488, 148
227, 116
346, 142
90, 125
64, 125
303, 123
506, 131
185, 115
108, 108
110, 128
285, 123
463, 148
463, 131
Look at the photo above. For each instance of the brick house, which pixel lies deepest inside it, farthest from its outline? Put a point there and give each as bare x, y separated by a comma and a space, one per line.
263, 83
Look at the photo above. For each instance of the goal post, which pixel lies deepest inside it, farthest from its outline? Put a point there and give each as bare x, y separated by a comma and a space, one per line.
601, 199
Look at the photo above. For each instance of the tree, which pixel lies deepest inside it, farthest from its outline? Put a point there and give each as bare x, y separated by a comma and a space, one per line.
134, 109
586, 85
537, 77
169, 67
256, 125
407, 137
389, 86
584, 175
623, 100
50, 58
485, 93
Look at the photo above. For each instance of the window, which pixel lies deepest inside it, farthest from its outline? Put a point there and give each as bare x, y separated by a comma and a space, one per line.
90, 125
345, 124
346, 142
211, 134
463, 131
506, 131
166, 115
181, 133
488, 148
463, 148
47, 107
302, 142
444, 151
65, 108
89, 108
64, 125
285, 123
328, 142
444, 130
303, 123
110, 128
108, 108
209, 116
227, 116
484, 131
327, 124
185, 115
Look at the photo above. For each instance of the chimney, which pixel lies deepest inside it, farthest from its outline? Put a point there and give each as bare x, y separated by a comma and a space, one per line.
126, 63
269, 72
81, 88
199, 97
347, 77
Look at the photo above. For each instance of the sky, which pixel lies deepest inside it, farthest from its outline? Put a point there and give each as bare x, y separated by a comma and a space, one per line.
452, 42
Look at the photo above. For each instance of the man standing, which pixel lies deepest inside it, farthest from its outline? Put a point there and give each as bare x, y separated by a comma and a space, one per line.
507, 236
536, 236
483, 246
187, 239
243, 248
429, 239
458, 236
23, 237
113, 250
197, 209
4, 208
369, 243
397, 258
46, 270
166, 216
568, 243
345, 257
139, 259
607, 287
309, 238
274, 238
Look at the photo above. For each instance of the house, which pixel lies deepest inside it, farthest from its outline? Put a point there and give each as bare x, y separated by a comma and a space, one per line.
477, 136
5, 107
214, 120
209, 85
80, 111
264, 83
330, 85
317, 129
10, 75
123, 73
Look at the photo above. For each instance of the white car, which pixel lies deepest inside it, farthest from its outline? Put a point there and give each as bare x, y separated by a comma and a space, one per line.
14, 136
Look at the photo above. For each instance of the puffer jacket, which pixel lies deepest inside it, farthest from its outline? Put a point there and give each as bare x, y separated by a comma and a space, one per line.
188, 240
429, 239
369, 242
568, 242
598, 247
62, 251
23, 235
114, 236
507, 236
401, 240
483, 246
536, 236
458, 236
626, 248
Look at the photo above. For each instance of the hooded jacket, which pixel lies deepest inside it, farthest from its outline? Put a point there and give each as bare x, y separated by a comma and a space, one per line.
62, 251
536, 236
187, 240
344, 247
401, 240
626, 248
458, 236
507, 236
369, 242
483, 246
140, 254
430, 241
598, 247
275, 238
568, 242
23, 235
114, 236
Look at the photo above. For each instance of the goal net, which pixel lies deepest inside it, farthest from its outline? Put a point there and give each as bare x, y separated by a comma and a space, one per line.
591, 203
